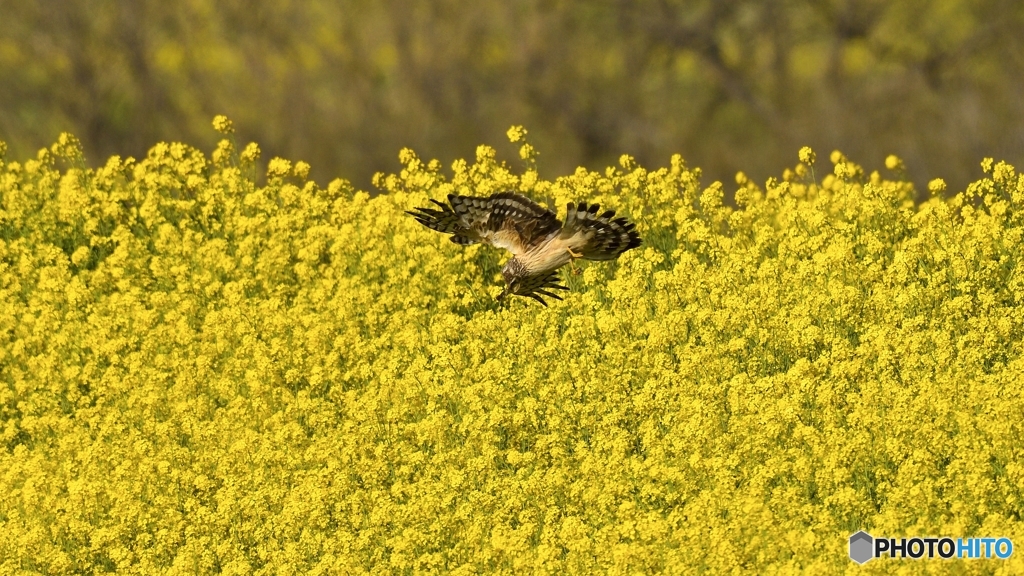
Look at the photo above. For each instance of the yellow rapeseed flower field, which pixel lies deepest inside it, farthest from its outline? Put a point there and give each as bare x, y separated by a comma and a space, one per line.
202, 374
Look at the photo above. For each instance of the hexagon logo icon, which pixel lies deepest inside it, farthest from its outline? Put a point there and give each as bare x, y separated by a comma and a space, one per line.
861, 547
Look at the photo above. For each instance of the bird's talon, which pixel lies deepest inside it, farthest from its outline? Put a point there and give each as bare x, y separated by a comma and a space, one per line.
572, 261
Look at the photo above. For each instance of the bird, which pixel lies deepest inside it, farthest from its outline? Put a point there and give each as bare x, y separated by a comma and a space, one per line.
539, 242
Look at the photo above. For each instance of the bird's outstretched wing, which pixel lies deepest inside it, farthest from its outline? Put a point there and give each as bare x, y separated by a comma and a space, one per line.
506, 220
598, 236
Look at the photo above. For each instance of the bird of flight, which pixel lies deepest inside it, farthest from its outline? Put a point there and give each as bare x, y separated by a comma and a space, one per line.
540, 244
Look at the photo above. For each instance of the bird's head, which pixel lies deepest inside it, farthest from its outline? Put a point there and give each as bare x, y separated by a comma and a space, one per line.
513, 273
520, 282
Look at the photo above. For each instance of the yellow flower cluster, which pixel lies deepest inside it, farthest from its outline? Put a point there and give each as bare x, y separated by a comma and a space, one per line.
202, 373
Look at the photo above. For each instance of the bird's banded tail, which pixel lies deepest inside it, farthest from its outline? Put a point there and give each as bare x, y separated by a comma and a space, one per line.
598, 236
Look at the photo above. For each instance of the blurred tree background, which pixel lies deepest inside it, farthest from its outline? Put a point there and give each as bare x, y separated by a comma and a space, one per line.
729, 84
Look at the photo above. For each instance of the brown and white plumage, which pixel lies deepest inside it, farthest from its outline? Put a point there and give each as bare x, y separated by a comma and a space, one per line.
538, 241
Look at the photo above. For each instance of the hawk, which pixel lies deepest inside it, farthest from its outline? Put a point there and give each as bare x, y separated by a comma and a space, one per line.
540, 244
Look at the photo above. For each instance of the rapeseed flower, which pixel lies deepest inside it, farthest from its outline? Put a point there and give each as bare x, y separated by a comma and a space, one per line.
208, 370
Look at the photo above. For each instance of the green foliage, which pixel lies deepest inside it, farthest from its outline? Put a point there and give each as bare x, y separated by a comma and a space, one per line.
734, 84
